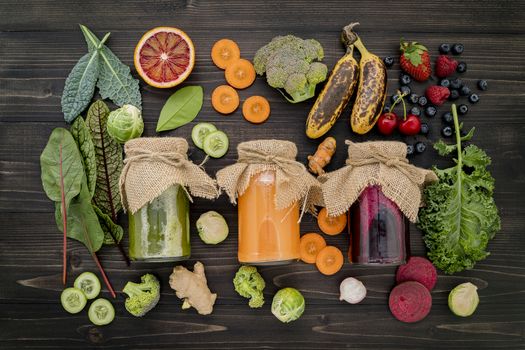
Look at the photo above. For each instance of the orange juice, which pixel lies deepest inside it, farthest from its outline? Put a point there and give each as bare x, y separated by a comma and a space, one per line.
266, 235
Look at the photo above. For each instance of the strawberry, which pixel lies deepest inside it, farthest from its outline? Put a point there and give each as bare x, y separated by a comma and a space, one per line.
415, 60
445, 66
437, 94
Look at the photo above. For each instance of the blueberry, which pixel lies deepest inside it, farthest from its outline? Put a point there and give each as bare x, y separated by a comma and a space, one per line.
447, 118
424, 129
413, 98
444, 82
457, 49
422, 101
415, 111
430, 111
394, 98
446, 131
454, 95
482, 85
462, 109
456, 83
404, 79
462, 67
405, 90
420, 147
410, 150
444, 48
464, 91
474, 98
386, 107
389, 61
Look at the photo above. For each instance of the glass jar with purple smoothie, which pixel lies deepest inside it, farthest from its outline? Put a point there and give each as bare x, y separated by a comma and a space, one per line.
378, 230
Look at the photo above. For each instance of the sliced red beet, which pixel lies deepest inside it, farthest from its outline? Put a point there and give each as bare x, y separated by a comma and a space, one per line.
418, 269
410, 302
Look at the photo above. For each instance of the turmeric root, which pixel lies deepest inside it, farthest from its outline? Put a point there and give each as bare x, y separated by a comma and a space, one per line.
192, 287
322, 156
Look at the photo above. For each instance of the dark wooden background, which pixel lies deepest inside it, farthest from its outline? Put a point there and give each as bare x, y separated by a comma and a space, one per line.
40, 42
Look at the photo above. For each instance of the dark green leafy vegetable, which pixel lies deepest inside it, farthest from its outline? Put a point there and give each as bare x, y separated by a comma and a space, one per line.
460, 216
80, 86
113, 233
181, 108
115, 80
82, 137
108, 154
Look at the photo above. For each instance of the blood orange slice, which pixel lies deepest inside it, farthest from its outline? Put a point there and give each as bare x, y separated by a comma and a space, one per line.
164, 57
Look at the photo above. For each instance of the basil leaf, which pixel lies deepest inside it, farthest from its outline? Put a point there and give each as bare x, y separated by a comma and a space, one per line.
181, 108
115, 80
82, 221
108, 155
113, 233
80, 86
84, 141
61, 167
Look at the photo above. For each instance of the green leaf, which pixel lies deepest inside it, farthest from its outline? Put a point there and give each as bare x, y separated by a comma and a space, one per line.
61, 167
111, 230
80, 86
108, 155
115, 80
84, 141
460, 215
82, 221
181, 108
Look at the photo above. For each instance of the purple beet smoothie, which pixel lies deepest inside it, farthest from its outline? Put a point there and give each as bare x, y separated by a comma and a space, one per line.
379, 231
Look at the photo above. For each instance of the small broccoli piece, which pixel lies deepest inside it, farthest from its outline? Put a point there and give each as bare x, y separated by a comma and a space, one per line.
142, 297
250, 284
291, 63
317, 73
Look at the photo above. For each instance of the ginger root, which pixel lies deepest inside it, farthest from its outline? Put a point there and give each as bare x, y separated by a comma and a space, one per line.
322, 156
192, 287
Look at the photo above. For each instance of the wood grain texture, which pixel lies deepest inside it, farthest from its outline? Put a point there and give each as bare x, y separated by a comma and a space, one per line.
40, 42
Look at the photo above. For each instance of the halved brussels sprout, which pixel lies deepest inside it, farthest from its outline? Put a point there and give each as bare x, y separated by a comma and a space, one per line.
212, 227
463, 299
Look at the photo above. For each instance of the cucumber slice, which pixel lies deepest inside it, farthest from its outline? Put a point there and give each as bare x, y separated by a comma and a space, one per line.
101, 312
200, 131
89, 284
73, 300
215, 144
212, 227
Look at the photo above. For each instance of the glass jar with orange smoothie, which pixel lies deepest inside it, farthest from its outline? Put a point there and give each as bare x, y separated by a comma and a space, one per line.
272, 189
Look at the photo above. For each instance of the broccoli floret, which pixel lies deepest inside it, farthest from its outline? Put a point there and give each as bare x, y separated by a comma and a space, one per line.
285, 58
250, 284
142, 297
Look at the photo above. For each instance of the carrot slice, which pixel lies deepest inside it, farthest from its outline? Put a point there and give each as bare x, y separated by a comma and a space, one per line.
329, 260
224, 52
225, 99
256, 109
331, 225
240, 74
311, 244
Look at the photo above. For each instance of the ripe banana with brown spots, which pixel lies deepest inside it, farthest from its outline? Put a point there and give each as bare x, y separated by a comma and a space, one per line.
371, 91
337, 91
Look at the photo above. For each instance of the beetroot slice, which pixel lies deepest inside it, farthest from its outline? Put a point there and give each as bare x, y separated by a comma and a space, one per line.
418, 269
410, 302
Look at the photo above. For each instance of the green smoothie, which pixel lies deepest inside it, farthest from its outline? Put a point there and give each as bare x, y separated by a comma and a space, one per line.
160, 230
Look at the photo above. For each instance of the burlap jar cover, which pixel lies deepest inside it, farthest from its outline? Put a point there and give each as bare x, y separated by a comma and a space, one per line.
152, 165
293, 182
380, 163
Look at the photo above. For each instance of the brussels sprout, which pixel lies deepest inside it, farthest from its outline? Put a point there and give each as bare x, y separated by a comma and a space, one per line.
125, 123
212, 227
288, 305
463, 299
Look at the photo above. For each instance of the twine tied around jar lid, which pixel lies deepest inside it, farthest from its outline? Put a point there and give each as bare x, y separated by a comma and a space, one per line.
381, 163
153, 164
293, 183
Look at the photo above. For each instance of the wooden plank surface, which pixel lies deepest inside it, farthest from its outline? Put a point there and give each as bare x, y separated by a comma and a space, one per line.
40, 42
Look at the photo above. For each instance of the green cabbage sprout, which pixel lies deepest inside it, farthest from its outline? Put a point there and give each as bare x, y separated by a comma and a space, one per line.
288, 305
125, 123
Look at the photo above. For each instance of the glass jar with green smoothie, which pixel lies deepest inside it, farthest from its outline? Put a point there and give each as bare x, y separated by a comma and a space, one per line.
156, 184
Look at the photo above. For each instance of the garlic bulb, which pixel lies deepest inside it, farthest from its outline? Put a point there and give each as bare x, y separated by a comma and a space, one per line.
352, 290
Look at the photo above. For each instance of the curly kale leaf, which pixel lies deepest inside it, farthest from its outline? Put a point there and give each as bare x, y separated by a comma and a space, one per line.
460, 216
